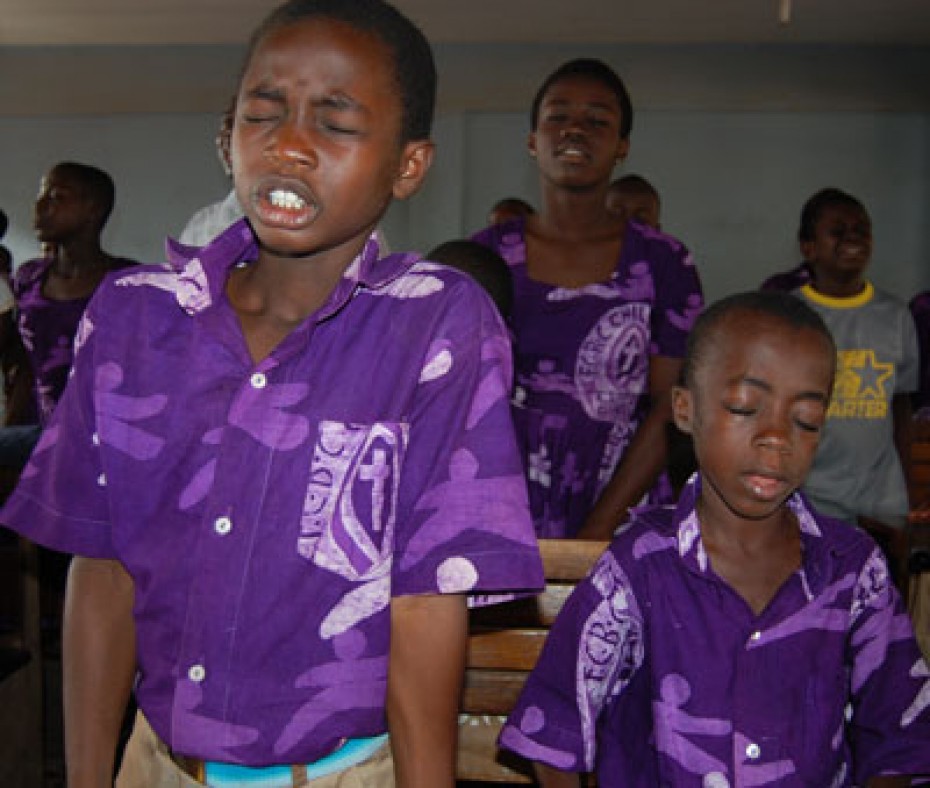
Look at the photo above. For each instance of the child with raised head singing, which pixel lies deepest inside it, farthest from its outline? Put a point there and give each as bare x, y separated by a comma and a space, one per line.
601, 311
283, 460
740, 638
860, 466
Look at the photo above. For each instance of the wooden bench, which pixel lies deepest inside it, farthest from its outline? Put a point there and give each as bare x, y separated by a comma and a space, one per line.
504, 643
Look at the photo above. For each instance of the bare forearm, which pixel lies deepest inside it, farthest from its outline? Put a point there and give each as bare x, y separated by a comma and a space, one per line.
99, 664
428, 639
637, 472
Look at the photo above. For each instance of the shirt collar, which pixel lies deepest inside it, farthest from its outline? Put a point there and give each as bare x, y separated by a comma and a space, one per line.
205, 269
816, 554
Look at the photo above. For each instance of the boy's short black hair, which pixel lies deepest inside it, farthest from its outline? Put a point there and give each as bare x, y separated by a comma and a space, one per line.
483, 264
414, 67
789, 309
597, 70
95, 183
4, 223
634, 184
817, 204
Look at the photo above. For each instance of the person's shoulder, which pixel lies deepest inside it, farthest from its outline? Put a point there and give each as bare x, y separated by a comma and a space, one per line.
650, 532
30, 271
843, 540
656, 245
504, 237
920, 304
458, 292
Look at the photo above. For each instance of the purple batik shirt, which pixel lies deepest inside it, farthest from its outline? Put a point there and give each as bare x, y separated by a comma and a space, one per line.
47, 328
581, 357
267, 512
658, 673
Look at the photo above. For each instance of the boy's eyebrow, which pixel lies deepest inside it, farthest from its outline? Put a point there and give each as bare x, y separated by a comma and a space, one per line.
602, 105
265, 93
818, 396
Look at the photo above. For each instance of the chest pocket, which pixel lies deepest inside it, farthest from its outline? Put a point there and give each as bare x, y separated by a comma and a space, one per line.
348, 519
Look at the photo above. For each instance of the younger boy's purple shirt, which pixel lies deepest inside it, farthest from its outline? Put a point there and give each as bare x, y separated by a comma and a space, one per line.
658, 673
268, 512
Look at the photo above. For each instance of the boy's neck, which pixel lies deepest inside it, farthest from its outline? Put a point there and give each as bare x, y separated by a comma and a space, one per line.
80, 259
275, 294
838, 288
754, 557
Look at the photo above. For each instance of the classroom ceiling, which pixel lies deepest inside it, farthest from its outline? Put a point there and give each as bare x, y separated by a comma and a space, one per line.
184, 22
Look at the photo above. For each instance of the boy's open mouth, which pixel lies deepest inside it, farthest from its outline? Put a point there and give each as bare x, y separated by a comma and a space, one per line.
284, 203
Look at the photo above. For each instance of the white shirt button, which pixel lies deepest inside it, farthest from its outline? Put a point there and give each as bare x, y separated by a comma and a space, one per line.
258, 381
222, 525
756, 635
95, 439
196, 673
753, 751
102, 480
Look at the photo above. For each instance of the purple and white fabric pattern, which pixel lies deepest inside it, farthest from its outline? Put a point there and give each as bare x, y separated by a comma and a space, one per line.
47, 328
581, 358
658, 673
268, 511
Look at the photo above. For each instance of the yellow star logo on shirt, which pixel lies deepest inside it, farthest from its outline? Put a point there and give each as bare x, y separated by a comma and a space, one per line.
872, 374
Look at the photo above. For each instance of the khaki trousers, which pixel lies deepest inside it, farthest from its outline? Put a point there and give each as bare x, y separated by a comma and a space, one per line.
147, 764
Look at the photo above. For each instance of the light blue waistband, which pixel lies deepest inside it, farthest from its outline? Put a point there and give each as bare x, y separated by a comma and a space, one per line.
351, 753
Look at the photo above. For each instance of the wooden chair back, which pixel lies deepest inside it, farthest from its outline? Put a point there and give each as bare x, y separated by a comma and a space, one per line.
919, 472
503, 645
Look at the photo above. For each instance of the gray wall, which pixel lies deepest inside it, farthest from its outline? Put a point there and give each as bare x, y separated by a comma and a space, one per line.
735, 138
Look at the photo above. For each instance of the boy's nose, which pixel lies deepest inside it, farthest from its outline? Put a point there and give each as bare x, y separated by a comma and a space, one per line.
291, 146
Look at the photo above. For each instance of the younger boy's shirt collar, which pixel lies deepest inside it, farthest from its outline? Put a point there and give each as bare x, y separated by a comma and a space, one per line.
203, 271
814, 553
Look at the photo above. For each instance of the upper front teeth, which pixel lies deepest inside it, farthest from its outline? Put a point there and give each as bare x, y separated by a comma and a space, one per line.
285, 199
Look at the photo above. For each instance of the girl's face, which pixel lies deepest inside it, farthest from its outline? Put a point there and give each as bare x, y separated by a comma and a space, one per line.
577, 137
316, 145
842, 244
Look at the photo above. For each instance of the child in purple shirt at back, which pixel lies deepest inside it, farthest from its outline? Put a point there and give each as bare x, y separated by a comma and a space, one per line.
739, 638
284, 460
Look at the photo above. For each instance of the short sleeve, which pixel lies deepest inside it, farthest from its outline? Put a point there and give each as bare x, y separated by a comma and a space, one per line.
61, 500
464, 522
679, 297
889, 682
592, 654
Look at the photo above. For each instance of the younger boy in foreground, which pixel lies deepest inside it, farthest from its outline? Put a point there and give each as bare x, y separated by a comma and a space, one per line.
741, 638
284, 459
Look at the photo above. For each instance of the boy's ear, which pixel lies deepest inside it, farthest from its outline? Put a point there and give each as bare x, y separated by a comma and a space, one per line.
807, 249
414, 164
623, 149
682, 408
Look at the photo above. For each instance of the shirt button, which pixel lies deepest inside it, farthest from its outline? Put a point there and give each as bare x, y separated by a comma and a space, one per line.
95, 439
222, 525
755, 635
102, 480
196, 673
753, 751
258, 380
